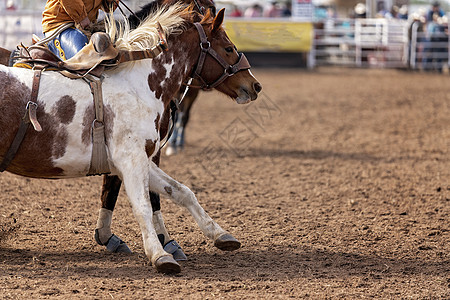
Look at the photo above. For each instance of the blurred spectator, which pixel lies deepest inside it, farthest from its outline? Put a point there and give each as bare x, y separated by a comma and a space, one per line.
403, 12
286, 10
254, 11
271, 11
381, 10
235, 12
435, 9
10, 5
436, 46
360, 10
393, 14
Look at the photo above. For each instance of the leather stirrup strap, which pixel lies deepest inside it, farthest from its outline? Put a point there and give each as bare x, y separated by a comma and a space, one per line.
34, 95
28, 118
99, 158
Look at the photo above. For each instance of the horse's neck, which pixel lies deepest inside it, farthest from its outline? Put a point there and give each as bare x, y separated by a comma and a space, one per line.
173, 68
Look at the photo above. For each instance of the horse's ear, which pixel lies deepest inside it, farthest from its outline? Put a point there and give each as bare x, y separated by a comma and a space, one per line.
218, 20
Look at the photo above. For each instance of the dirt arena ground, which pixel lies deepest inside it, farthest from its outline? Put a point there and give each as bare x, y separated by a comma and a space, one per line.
336, 182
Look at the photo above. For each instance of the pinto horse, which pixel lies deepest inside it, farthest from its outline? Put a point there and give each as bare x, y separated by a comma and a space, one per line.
135, 95
111, 184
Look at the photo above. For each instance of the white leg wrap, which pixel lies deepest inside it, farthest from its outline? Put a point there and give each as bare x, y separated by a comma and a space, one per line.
104, 224
160, 228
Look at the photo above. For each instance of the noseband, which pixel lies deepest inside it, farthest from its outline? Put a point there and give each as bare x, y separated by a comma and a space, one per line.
229, 70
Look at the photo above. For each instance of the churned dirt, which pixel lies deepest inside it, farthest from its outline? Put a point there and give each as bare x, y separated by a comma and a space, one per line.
336, 182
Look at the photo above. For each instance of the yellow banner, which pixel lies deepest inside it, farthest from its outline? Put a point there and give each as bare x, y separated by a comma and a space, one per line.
264, 36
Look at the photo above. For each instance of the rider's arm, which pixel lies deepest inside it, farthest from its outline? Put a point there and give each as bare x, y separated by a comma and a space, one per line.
75, 9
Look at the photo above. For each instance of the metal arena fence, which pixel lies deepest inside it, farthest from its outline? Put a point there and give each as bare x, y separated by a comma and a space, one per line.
379, 43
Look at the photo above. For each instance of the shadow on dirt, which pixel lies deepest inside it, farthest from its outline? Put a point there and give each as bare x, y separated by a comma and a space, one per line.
220, 266
315, 154
7, 229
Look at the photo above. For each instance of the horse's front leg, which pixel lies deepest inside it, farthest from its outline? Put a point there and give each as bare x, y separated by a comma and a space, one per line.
103, 234
163, 184
135, 179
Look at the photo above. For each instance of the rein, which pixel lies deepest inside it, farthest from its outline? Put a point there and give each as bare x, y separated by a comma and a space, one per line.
117, 2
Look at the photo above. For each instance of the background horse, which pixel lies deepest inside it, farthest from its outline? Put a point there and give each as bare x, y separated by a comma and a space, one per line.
132, 117
176, 141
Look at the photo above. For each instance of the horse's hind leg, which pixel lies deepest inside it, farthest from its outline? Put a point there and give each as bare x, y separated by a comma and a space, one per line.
163, 184
170, 245
134, 178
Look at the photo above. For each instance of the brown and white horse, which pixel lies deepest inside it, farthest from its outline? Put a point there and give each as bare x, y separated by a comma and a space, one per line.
112, 184
135, 95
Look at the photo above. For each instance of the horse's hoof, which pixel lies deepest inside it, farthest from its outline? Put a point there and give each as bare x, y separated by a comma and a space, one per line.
173, 248
167, 265
227, 242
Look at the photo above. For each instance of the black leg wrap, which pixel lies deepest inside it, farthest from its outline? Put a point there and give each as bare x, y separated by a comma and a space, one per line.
110, 191
161, 238
155, 201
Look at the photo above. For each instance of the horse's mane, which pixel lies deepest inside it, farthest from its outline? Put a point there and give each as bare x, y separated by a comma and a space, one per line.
173, 19
145, 36
144, 12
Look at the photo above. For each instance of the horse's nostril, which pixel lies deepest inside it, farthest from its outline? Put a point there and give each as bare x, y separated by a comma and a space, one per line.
257, 86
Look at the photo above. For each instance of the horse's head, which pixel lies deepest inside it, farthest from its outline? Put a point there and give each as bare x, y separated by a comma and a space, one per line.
198, 47
220, 65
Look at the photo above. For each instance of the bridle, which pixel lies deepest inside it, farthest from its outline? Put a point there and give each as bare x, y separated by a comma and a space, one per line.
229, 70
201, 9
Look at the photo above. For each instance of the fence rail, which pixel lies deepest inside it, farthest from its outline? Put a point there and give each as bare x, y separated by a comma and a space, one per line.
363, 42
429, 51
379, 43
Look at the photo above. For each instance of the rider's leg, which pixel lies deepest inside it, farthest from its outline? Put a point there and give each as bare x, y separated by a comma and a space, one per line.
66, 44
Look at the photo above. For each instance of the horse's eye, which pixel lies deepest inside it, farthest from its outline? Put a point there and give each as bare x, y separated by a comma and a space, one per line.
229, 49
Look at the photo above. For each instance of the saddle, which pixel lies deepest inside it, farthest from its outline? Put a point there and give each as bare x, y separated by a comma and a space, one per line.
89, 64
91, 59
